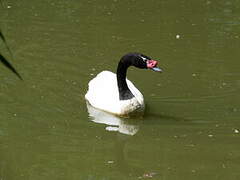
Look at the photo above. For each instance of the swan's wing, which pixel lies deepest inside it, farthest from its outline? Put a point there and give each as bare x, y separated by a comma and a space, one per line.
103, 91
138, 95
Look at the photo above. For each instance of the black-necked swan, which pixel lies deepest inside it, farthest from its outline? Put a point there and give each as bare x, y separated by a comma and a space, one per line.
113, 92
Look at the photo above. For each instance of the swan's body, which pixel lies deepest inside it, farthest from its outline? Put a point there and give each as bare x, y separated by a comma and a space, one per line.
103, 94
113, 92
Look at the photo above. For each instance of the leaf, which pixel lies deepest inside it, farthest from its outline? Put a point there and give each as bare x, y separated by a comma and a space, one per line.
4, 60
5, 42
9, 66
2, 37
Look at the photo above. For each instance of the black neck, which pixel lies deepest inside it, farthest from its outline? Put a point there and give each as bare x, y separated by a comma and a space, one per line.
124, 91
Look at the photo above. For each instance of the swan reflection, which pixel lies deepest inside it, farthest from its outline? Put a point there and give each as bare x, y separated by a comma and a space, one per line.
113, 122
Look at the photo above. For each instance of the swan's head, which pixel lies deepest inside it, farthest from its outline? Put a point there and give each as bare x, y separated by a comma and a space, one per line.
140, 61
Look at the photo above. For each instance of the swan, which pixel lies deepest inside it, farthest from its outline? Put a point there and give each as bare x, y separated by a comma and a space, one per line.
114, 93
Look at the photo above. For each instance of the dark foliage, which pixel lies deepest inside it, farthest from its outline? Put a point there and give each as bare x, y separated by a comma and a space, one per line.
9, 66
3, 60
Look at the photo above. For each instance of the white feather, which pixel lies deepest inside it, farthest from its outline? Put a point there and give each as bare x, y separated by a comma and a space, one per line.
103, 94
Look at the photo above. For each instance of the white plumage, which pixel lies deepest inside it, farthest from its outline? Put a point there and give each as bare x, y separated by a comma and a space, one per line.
103, 94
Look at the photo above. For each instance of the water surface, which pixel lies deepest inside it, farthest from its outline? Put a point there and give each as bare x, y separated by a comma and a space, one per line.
191, 126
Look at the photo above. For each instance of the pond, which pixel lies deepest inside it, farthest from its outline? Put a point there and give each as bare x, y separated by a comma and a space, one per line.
190, 129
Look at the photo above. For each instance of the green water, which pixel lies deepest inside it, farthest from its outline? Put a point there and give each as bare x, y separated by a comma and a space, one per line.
191, 128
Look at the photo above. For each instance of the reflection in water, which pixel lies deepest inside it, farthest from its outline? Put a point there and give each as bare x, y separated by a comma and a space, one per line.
120, 148
123, 161
114, 123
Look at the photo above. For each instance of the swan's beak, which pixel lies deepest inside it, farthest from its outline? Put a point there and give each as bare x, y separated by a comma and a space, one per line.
157, 69
152, 64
